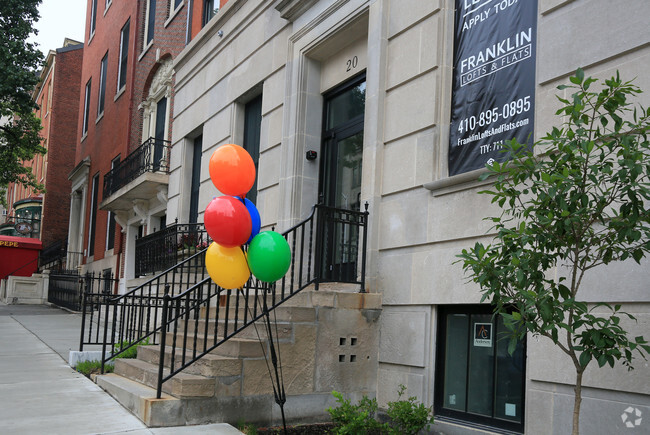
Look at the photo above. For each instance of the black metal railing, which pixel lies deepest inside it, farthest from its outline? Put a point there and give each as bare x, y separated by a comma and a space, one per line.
162, 249
57, 258
133, 317
67, 287
151, 156
340, 234
183, 309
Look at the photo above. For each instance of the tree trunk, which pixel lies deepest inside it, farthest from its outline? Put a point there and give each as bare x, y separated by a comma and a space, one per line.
576, 403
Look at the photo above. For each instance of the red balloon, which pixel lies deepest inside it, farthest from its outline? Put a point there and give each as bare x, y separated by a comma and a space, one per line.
232, 170
227, 221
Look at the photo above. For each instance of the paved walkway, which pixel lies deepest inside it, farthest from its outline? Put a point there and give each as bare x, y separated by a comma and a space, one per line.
40, 393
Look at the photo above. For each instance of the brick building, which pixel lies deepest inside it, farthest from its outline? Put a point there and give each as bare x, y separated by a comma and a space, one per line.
120, 180
57, 96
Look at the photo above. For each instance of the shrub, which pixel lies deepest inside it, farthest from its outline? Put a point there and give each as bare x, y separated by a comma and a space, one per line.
355, 419
247, 428
405, 416
408, 416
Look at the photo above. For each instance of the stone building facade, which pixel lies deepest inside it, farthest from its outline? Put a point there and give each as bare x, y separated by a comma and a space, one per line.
367, 85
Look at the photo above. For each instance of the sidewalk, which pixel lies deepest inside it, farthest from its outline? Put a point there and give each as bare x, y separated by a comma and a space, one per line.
40, 393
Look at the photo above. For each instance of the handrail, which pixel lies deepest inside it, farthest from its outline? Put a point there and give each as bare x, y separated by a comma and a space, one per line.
134, 316
157, 277
180, 312
194, 311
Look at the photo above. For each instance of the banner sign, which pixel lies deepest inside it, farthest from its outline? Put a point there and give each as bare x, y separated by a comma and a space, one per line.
493, 95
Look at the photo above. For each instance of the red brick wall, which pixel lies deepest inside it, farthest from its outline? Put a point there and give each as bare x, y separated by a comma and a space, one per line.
167, 42
62, 135
107, 137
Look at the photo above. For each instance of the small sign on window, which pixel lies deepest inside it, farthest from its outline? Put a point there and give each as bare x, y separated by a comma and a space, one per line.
483, 334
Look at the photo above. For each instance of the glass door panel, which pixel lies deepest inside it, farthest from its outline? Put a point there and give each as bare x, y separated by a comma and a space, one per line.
508, 401
456, 361
481, 360
341, 179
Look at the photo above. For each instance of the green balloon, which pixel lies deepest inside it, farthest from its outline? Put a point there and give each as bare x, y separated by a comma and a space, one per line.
269, 256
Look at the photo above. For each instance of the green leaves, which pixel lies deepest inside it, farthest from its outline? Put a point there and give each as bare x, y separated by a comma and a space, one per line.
19, 63
582, 204
406, 417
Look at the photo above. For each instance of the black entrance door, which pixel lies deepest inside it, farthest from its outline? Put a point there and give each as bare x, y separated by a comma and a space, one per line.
341, 178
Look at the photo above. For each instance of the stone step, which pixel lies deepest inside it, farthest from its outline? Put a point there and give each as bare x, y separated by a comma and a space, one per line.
234, 347
183, 385
283, 313
284, 329
141, 400
209, 365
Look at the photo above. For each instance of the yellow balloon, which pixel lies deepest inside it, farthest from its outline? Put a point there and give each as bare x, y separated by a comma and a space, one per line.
227, 266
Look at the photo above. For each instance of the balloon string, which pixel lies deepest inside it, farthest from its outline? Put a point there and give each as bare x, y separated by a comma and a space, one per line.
247, 265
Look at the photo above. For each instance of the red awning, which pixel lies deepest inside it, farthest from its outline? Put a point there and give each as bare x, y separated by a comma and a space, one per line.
18, 256
20, 242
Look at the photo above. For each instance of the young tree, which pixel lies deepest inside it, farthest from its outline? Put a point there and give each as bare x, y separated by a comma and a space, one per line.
582, 203
19, 62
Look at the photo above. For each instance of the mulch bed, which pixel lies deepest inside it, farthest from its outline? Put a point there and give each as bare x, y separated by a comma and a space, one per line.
307, 429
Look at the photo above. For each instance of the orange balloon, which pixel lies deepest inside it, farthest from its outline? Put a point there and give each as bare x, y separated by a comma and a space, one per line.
232, 170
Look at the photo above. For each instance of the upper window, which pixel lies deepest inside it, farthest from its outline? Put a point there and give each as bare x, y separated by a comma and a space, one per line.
209, 10
177, 3
93, 215
93, 16
102, 85
124, 56
477, 380
252, 128
108, 3
84, 128
150, 21
110, 233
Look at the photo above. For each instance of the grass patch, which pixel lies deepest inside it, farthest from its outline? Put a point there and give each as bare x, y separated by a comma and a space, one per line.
88, 368
131, 352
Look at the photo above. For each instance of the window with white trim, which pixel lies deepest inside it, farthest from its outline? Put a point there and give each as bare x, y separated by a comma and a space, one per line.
124, 56
84, 127
93, 17
93, 215
210, 9
110, 224
149, 22
102, 85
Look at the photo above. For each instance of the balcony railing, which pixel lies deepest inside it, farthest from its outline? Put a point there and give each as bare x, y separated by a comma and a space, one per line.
163, 249
151, 156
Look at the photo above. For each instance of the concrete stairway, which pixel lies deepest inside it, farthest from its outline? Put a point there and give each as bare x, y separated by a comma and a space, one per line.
327, 340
